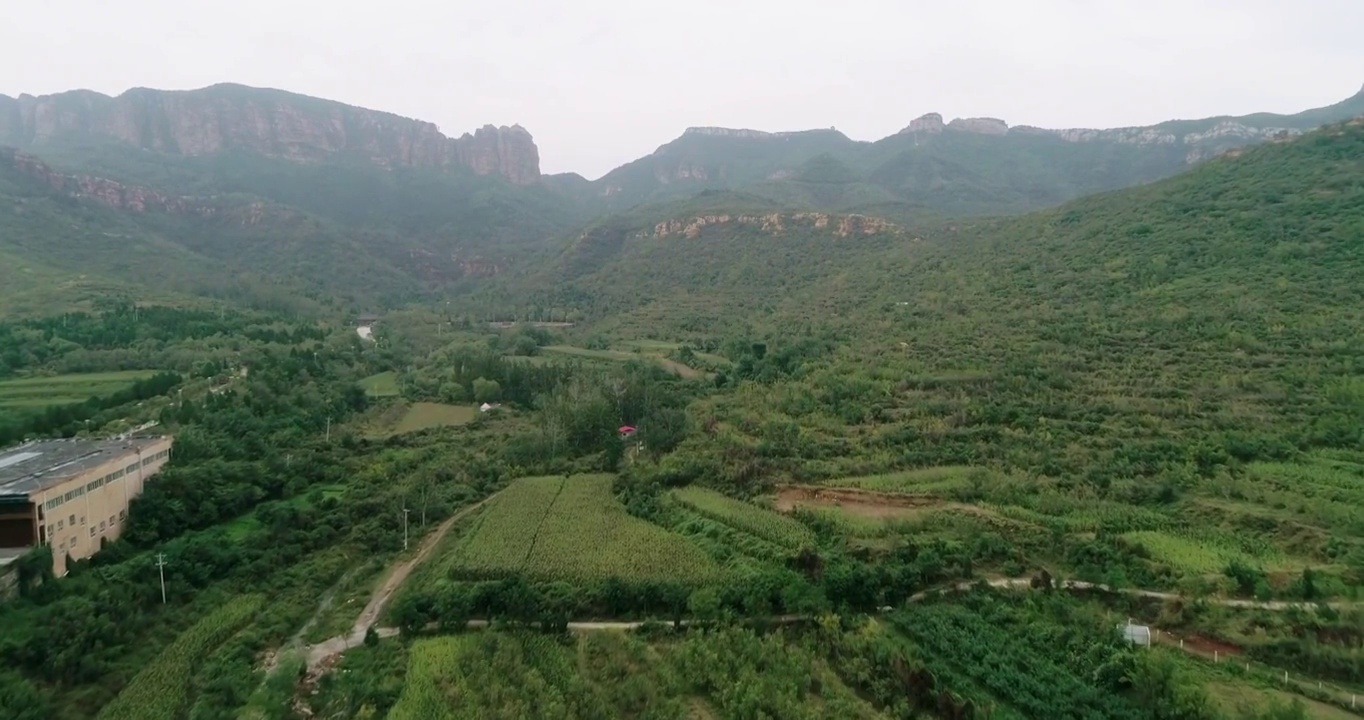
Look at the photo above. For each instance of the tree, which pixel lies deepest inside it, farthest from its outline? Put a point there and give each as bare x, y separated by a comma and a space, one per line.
486, 390
704, 604
662, 429
371, 637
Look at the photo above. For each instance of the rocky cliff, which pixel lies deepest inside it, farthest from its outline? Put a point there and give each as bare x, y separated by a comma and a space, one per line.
271, 123
775, 224
137, 199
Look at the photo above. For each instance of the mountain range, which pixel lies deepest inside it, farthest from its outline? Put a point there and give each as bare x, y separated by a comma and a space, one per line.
265, 196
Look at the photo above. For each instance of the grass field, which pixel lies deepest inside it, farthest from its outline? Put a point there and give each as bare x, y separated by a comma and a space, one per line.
38, 392
244, 525
661, 346
425, 415
385, 384
574, 529
1206, 553
1240, 697
748, 517
623, 356
935, 480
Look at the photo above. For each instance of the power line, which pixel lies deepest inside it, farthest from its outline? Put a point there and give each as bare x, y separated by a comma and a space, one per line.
161, 570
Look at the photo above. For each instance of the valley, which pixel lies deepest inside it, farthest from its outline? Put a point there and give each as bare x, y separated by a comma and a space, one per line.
758, 425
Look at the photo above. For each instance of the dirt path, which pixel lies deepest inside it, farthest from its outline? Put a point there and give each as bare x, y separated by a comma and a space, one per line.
322, 652
1082, 585
295, 643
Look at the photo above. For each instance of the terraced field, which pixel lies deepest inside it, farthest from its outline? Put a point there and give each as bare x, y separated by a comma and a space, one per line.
573, 528
40, 392
623, 356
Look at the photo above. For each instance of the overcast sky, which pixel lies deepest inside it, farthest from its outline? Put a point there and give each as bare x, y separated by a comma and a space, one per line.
601, 82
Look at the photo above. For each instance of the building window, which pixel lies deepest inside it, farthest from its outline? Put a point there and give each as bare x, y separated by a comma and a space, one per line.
82, 521
122, 514
111, 521
92, 531
61, 524
101, 526
73, 521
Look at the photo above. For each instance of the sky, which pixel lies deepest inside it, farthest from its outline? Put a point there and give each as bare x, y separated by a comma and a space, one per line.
601, 82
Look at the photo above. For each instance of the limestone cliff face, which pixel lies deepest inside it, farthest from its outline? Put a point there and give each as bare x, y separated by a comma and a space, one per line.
926, 123
983, 126
100, 190
506, 151
136, 199
775, 224
271, 123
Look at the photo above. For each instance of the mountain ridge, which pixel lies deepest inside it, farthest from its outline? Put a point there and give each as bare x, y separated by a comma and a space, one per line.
274, 123
953, 167
1265, 219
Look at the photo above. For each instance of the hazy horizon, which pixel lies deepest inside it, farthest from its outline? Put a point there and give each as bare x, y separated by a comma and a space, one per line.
605, 81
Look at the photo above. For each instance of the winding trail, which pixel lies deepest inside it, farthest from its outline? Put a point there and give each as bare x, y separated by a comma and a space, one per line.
324, 651
322, 656
1082, 585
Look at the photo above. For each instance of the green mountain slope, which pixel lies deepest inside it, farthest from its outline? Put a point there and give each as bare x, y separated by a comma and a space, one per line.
1193, 346
372, 186
72, 238
293, 196
1267, 236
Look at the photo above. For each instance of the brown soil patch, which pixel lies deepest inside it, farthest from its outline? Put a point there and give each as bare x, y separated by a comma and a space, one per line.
1202, 645
866, 503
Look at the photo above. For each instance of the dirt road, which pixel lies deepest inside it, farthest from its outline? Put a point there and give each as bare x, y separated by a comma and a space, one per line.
1082, 585
318, 654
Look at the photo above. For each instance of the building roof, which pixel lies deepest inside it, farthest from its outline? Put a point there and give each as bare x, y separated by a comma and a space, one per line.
34, 466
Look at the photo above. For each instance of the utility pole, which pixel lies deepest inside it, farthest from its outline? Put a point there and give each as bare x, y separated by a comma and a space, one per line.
329, 428
161, 570
405, 511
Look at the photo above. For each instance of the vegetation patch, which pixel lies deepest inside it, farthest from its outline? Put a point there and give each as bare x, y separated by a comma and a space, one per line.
574, 529
747, 517
427, 415
160, 691
384, 384
40, 392
672, 366
1249, 700
730, 673
1024, 664
866, 513
933, 480
1204, 553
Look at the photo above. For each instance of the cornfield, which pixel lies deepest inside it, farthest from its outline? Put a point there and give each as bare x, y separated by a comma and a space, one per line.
575, 529
748, 517
159, 691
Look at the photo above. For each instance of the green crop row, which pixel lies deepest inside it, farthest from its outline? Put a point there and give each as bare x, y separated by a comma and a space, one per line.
748, 517
575, 529
159, 691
